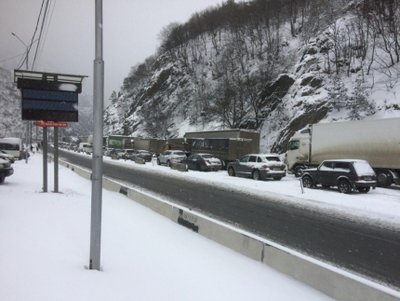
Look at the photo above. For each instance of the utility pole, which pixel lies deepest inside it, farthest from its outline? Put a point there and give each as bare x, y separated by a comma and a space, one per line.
97, 156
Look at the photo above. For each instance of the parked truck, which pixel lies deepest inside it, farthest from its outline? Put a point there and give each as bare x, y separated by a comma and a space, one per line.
227, 145
85, 147
155, 146
12, 146
120, 142
252, 137
226, 149
376, 141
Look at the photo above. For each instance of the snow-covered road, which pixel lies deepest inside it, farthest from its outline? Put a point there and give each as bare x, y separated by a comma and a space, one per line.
380, 206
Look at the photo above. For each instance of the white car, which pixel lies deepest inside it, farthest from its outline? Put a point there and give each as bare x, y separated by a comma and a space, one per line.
258, 167
6, 156
171, 156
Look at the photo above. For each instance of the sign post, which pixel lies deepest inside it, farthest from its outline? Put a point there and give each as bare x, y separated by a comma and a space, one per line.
55, 125
44, 159
55, 159
52, 99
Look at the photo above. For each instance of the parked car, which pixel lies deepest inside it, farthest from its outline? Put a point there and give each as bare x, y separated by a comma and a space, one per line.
5, 156
117, 153
346, 175
5, 170
127, 154
171, 155
258, 166
205, 162
107, 151
140, 153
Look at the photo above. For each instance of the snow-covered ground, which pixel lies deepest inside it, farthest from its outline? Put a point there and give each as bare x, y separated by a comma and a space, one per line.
380, 206
45, 247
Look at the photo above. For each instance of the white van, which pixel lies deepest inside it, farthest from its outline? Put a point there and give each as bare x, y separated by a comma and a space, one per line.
85, 147
12, 146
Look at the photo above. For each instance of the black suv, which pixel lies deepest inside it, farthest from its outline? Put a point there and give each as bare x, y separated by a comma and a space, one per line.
346, 175
5, 170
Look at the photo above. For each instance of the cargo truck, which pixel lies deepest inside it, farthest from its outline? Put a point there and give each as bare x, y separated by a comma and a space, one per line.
252, 137
227, 145
155, 146
120, 142
376, 141
226, 149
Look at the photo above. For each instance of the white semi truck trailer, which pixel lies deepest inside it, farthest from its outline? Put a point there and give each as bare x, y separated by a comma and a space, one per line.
376, 141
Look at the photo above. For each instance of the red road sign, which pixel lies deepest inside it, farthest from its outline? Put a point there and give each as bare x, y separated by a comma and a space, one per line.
45, 124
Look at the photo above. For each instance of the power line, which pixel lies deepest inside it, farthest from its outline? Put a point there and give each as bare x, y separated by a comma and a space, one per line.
41, 32
33, 36
47, 26
11, 57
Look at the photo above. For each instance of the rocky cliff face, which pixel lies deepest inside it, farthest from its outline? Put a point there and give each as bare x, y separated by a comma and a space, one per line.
11, 124
274, 73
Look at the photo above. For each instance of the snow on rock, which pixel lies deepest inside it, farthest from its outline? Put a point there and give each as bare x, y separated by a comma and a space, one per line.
229, 77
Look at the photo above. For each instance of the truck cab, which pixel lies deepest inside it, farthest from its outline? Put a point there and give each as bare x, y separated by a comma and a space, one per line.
297, 155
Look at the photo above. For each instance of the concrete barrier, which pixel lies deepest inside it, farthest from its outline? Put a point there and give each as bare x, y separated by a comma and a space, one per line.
336, 283
83, 172
111, 185
329, 280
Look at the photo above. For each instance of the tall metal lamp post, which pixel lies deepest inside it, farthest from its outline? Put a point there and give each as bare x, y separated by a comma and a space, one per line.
27, 50
97, 157
28, 139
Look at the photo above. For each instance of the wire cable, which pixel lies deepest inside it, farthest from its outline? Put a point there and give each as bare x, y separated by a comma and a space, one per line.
12, 57
47, 26
33, 36
41, 32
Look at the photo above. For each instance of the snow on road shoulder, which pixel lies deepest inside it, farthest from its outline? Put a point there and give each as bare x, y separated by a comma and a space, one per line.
45, 246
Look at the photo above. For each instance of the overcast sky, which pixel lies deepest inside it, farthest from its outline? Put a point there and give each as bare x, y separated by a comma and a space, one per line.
131, 29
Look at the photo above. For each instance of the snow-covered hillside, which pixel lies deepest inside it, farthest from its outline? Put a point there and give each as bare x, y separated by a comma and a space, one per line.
272, 66
11, 124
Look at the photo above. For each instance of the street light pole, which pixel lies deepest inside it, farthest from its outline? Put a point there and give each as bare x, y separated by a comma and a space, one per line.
97, 157
27, 50
28, 139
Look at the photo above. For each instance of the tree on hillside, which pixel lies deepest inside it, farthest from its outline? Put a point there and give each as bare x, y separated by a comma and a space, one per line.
337, 94
157, 119
166, 36
359, 102
384, 20
114, 97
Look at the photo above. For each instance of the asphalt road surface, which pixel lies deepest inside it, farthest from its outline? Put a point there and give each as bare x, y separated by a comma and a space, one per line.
361, 248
